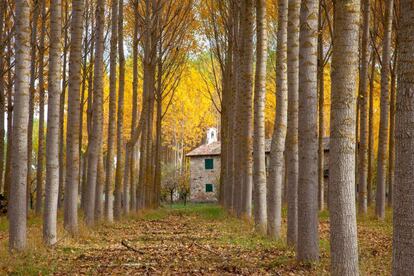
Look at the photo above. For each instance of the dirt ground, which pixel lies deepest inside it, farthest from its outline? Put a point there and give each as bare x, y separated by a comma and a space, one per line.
189, 240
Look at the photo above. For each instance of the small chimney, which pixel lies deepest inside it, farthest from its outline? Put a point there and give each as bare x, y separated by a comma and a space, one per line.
211, 135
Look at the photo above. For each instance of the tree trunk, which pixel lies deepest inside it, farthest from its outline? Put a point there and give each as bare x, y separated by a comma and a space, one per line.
95, 137
17, 202
308, 238
363, 105
53, 126
343, 234
403, 204
321, 113
236, 180
126, 194
72, 148
384, 115
276, 165
391, 150
99, 189
259, 165
40, 147
245, 117
112, 120
371, 131
33, 44
62, 167
292, 162
134, 106
2, 94
120, 161
7, 172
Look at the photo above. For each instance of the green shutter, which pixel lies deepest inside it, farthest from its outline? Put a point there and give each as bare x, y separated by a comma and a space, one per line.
209, 188
209, 164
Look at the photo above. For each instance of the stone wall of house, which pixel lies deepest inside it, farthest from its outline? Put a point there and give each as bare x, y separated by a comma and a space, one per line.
199, 177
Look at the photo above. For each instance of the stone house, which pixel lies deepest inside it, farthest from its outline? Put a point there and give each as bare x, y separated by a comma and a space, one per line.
205, 169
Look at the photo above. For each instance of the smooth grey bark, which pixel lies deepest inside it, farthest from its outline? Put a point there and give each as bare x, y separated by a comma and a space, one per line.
363, 105
259, 161
53, 126
95, 137
17, 203
403, 204
109, 181
276, 164
308, 238
74, 111
384, 113
292, 162
343, 234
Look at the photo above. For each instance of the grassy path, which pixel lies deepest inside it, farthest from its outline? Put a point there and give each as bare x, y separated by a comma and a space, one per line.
194, 239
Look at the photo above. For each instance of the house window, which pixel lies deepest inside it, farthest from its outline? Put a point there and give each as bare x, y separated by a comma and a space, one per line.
208, 164
209, 188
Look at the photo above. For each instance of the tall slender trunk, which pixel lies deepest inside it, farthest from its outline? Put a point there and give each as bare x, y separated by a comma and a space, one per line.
371, 157
236, 181
245, 117
158, 129
17, 202
403, 203
33, 44
112, 120
276, 165
52, 136
72, 132
384, 115
134, 106
343, 234
2, 92
88, 109
62, 167
363, 105
95, 137
7, 176
391, 149
292, 162
120, 157
259, 165
308, 238
321, 113
228, 189
84, 75
41, 147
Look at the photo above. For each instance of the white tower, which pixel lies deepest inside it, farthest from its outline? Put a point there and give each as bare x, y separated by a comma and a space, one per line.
211, 135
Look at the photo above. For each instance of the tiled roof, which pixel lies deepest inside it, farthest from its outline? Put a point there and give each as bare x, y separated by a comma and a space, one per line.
206, 149
215, 147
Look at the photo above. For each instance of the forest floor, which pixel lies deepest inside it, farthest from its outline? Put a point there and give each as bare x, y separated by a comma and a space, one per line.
194, 240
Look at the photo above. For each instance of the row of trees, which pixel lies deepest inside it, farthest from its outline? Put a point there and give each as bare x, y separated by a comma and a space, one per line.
68, 41
310, 35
